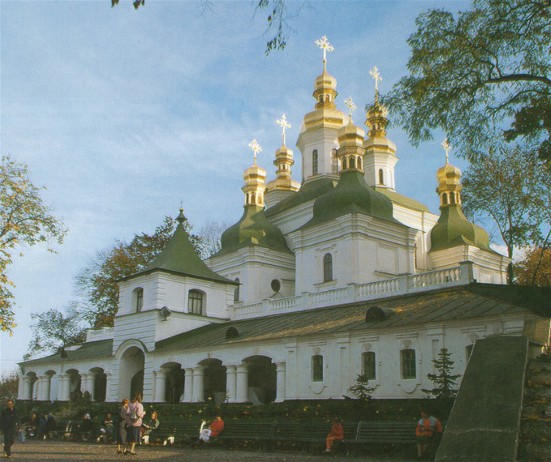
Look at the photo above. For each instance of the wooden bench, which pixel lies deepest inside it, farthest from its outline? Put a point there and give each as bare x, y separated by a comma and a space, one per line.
245, 433
308, 437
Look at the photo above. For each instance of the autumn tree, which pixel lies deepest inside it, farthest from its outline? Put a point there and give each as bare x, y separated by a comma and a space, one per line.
24, 221
444, 382
509, 187
475, 73
54, 330
535, 268
97, 281
9, 385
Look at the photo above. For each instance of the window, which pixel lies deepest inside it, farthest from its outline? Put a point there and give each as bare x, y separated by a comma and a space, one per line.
195, 301
445, 199
407, 358
317, 368
334, 162
368, 365
236, 292
315, 162
360, 163
327, 267
137, 297
381, 177
352, 162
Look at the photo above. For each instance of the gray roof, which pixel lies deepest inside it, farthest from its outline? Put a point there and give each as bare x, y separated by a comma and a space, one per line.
89, 350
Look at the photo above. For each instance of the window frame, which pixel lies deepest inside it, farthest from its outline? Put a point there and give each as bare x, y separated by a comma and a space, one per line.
328, 267
317, 368
196, 301
370, 372
408, 363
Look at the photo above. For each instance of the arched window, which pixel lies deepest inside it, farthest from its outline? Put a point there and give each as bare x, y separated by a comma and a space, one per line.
327, 267
137, 299
369, 369
381, 176
408, 363
236, 292
196, 301
452, 198
315, 162
334, 162
344, 163
352, 162
360, 163
317, 368
445, 199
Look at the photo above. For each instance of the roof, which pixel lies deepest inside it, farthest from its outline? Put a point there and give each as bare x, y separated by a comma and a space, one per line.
253, 228
86, 351
402, 200
308, 191
180, 257
453, 304
351, 195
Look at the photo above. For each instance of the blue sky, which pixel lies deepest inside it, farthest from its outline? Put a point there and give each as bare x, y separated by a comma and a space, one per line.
122, 114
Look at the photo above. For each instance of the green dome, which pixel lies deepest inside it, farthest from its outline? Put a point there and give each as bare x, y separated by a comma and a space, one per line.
253, 229
351, 195
453, 229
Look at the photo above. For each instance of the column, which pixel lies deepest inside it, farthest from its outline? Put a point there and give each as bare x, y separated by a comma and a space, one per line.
24, 387
83, 383
242, 384
188, 385
46, 388
281, 381
63, 387
108, 394
230, 383
198, 384
92, 385
160, 386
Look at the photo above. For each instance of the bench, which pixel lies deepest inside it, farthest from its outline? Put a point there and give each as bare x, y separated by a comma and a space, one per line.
245, 433
302, 435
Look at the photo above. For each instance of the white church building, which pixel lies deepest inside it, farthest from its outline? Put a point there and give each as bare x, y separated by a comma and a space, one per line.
319, 281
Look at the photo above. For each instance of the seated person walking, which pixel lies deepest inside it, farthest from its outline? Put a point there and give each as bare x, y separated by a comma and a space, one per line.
427, 427
335, 434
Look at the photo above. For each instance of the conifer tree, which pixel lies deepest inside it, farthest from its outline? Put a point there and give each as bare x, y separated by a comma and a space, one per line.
443, 380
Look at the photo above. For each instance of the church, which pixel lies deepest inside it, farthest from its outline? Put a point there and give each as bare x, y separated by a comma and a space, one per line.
319, 281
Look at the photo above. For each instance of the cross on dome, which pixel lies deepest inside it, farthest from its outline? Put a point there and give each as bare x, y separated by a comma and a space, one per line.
324, 44
284, 125
375, 74
447, 147
351, 106
255, 147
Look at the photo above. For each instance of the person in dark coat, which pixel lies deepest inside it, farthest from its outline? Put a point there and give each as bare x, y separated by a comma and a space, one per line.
9, 424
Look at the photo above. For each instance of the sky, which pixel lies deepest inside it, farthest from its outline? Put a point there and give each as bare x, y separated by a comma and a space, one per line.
124, 116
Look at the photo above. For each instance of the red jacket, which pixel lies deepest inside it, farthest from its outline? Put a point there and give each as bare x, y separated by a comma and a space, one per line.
216, 427
427, 426
336, 431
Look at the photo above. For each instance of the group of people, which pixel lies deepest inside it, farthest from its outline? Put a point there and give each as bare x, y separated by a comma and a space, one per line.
132, 429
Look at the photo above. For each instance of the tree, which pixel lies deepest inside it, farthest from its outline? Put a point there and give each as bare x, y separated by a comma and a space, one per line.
210, 235
535, 268
476, 73
277, 19
24, 221
361, 389
509, 187
97, 282
443, 381
52, 331
9, 385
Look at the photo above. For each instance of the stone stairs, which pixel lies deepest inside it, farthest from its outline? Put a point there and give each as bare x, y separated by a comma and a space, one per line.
535, 428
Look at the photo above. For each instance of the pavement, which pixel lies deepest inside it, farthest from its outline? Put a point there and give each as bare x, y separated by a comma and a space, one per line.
77, 452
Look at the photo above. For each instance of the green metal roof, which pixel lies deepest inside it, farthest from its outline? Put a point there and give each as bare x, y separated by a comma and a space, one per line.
180, 257
403, 200
308, 191
91, 350
253, 229
454, 304
453, 229
351, 195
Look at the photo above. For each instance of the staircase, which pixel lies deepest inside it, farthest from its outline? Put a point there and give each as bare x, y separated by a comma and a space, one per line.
535, 430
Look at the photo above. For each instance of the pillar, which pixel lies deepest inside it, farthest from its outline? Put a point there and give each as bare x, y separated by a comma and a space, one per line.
188, 385
46, 388
281, 381
230, 383
242, 384
160, 386
198, 384
108, 395
25, 387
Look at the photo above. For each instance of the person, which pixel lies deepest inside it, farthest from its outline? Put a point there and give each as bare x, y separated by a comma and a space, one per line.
9, 424
32, 426
427, 427
84, 429
149, 427
134, 415
106, 430
210, 430
121, 426
46, 425
335, 434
